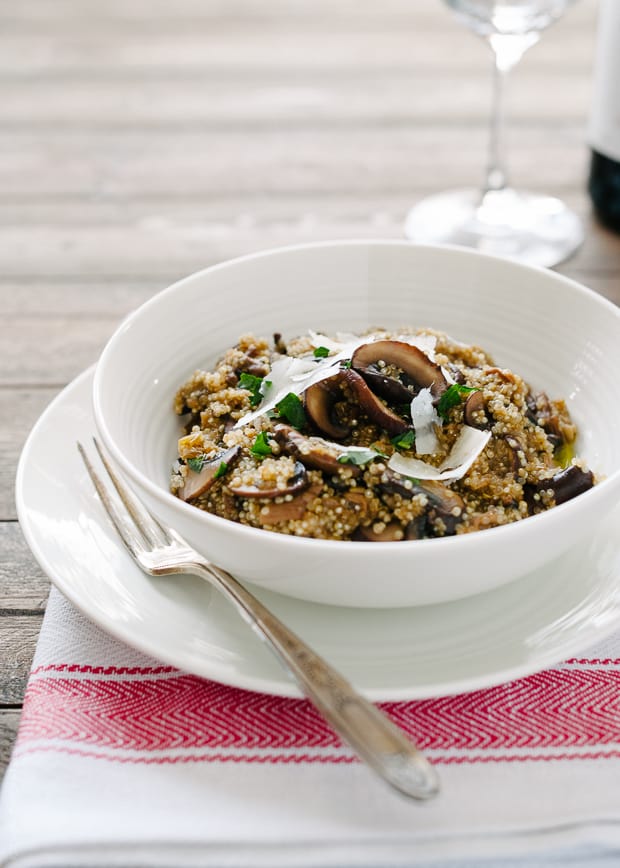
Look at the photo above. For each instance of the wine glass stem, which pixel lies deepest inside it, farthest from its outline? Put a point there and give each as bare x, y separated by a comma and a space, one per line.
496, 175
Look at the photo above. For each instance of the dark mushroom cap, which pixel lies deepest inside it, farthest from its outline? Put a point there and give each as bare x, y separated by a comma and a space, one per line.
312, 451
280, 512
319, 401
564, 485
390, 388
411, 360
294, 484
199, 482
374, 407
444, 510
474, 405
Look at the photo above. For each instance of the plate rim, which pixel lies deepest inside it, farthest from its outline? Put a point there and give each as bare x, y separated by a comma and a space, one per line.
283, 686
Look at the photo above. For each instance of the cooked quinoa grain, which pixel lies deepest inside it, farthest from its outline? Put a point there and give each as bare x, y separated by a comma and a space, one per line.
380, 437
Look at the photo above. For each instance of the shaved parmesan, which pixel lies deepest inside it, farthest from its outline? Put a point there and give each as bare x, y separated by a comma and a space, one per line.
341, 342
425, 343
466, 449
424, 418
290, 374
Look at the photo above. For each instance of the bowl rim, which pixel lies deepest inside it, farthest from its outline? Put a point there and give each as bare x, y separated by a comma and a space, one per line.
493, 535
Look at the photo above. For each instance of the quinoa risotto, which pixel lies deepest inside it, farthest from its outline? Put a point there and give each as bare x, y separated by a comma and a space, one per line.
379, 437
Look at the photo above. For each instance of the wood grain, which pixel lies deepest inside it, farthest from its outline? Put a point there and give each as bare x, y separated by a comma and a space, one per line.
144, 139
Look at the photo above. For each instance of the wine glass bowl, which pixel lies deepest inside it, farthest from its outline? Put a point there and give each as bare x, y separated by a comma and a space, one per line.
509, 17
535, 228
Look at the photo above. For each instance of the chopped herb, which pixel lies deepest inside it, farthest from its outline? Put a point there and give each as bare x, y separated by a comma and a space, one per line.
221, 470
321, 353
451, 397
291, 408
358, 455
253, 385
346, 364
196, 464
404, 440
378, 450
261, 446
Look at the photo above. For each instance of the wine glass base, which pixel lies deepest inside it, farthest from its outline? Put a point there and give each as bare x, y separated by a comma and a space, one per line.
538, 230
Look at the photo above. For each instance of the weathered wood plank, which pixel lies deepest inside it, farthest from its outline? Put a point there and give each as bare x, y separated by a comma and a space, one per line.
23, 585
19, 410
158, 13
84, 297
250, 54
169, 250
53, 350
18, 638
277, 161
305, 100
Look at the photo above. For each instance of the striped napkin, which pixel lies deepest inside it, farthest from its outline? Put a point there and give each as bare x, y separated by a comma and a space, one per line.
122, 761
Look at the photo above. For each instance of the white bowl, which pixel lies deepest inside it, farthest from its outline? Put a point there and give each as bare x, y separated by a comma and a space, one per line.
561, 337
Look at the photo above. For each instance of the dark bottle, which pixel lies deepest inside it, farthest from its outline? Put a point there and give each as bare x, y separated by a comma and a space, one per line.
604, 129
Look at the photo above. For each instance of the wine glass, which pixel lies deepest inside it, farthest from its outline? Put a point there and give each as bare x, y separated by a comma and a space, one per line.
498, 219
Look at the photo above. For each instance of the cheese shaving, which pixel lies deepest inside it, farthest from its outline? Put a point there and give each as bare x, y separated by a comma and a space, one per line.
424, 418
467, 447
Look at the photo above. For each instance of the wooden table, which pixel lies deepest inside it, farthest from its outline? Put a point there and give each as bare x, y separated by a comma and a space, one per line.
143, 139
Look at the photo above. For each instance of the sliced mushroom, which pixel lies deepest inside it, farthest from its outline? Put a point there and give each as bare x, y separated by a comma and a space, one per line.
313, 451
198, 482
390, 388
540, 412
444, 511
555, 420
393, 532
289, 510
473, 409
374, 407
456, 373
319, 402
565, 485
415, 364
294, 485
417, 528
357, 500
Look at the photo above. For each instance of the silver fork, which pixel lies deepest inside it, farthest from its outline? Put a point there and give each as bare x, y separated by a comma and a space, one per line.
160, 551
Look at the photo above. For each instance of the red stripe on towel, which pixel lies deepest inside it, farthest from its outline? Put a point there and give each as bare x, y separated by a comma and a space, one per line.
554, 709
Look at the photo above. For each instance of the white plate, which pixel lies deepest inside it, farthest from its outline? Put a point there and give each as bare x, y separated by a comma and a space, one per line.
389, 654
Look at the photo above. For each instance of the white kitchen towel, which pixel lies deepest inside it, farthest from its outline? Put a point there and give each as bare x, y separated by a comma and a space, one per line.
123, 761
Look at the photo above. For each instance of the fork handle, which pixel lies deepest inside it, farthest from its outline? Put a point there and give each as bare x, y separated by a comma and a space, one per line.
371, 734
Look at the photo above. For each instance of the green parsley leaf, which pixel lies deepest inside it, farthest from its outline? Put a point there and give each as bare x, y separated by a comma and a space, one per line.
320, 353
291, 408
358, 456
346, 364
404, 440
253, 385
378, 450
221, 470
261, 446
451, 397
196, 464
